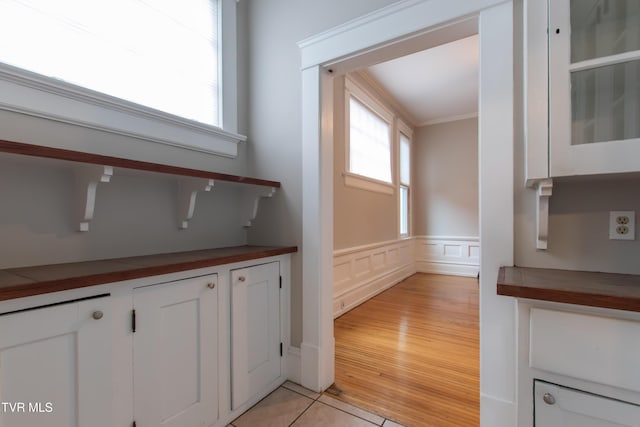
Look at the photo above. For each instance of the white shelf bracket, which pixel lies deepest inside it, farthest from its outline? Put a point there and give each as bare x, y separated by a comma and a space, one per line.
87, 179
252, 202
188, 189
544, 189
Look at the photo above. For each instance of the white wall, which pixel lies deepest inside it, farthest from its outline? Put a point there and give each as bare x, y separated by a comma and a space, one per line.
446, 179
275, 120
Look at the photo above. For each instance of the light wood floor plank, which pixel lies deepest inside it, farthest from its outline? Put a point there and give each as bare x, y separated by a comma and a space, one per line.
411, 354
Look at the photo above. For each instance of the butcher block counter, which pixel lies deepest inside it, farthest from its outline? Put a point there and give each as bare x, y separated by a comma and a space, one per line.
606, 290
36, 280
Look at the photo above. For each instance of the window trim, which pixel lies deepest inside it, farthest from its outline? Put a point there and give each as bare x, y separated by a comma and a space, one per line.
365, 183
353, 88
35, 95
403, 129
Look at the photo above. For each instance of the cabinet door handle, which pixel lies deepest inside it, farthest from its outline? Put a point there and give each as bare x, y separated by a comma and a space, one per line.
549, 399
97, 314
211, 285
242, 278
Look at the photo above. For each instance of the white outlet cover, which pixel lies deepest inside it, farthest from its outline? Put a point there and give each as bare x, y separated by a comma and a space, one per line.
631, 225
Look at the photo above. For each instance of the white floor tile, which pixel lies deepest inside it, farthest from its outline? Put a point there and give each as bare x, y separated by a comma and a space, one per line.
375, 419
321, 415
299, 389
279, 409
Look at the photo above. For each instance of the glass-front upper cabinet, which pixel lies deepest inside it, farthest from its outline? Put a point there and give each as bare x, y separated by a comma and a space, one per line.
594, 86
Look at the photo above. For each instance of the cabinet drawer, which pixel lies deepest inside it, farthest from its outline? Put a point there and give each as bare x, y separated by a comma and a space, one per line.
592, 348
557, 406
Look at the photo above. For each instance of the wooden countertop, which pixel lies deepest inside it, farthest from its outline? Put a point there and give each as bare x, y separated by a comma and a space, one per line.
28, 281
606, 290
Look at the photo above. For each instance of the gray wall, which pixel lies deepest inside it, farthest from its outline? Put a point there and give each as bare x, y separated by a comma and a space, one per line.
578, 225
446, 179
275, 119
135, 215
578, 211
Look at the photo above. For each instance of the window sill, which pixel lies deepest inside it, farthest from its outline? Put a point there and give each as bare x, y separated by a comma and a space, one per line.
364, 183
39, 96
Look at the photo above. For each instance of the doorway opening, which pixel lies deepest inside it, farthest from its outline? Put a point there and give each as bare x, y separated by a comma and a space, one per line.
420, 125
396, 31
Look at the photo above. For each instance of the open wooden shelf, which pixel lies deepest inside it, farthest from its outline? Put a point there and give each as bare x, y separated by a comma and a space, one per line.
94, 170
606, 290
97, 159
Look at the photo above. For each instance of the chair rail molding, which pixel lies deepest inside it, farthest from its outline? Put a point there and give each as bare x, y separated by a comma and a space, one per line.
453, 255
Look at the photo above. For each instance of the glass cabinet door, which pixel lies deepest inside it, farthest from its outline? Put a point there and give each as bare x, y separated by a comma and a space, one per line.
594, 79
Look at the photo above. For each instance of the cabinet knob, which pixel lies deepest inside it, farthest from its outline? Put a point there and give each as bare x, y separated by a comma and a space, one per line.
211, 285
97, 314
242, 278
549, 399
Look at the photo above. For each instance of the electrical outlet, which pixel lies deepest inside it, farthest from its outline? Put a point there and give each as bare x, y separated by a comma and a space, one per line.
622, 225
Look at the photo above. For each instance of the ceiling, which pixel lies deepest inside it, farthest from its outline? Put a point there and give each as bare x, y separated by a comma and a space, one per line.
435, 85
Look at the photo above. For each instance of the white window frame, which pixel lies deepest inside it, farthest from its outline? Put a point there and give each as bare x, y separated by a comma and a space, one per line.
353, 88
403, 129
35, 95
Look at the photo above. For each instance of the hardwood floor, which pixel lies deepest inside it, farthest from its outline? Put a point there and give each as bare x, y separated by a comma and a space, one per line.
411, 354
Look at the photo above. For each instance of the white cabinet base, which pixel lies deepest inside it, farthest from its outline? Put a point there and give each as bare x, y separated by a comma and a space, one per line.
255, 324
175, 353
55, 366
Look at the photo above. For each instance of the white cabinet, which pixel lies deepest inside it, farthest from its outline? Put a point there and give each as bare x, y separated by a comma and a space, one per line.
582, 76
55, 366
557, 406
256, 343
175, 353
594, 86
177, 350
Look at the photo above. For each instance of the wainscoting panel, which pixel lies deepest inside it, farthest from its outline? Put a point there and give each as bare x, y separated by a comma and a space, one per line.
362, 272
458, 256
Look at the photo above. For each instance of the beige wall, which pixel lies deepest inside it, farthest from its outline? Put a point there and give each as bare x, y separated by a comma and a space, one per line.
360, 217
445, 176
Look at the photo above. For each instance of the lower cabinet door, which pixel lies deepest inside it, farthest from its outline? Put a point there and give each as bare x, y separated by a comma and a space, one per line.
557, 406
175, 353
255, 330
55, 366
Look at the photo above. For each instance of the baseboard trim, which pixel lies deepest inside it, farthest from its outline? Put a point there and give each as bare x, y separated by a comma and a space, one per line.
497, 412
364, 271
450, 255
354, 297
450, 269
294, 365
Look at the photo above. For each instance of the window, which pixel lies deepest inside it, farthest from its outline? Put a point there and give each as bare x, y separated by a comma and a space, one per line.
405, 183
160, 56
369, 144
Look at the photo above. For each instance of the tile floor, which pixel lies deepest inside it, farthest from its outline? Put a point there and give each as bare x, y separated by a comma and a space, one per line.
293, 405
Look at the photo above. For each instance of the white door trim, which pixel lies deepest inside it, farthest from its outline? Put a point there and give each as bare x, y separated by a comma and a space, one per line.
399, 29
